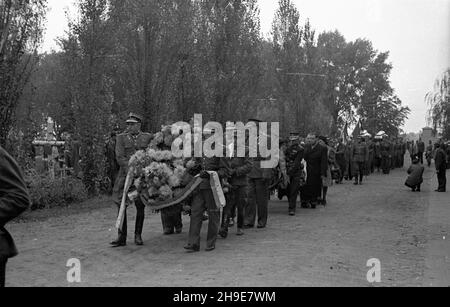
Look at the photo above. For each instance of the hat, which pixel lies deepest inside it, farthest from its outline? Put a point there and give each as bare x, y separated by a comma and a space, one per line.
134, 118
294, 136
254, 120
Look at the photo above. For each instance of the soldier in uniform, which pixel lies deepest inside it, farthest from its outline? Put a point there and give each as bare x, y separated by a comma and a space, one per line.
127, 145
359, 157
385, 156
258, 194
294, 167
377, 155
203, 200
341, 162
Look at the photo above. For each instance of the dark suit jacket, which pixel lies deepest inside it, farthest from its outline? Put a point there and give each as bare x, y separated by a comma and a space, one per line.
440, 159
14, 200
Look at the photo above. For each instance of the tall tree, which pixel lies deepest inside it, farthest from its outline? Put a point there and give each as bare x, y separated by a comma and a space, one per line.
87, 56
21, 24
438, 101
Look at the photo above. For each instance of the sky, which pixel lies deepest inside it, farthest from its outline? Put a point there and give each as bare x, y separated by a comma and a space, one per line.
415, 32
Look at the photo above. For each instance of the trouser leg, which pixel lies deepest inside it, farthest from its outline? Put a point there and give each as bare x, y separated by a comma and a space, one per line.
3, 261
294, 189
442, 179
214, 218
123, 232
226, 216
262, 199
178, 219
140, 217
240, 201
361, 172
250, 206
197, 210
324, 194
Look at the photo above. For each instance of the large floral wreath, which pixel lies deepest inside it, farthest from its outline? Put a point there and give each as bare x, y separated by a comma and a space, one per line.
158, 175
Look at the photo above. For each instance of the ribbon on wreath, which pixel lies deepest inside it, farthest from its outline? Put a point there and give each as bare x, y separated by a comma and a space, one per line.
216, 188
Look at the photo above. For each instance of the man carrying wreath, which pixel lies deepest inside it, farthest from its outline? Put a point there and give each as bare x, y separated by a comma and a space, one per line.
127, 145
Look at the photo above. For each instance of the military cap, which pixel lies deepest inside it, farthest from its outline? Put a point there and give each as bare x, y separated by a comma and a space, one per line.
134, 118
254, 120
294, 136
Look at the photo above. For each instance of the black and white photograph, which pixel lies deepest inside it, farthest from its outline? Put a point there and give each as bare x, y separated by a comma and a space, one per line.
224, 151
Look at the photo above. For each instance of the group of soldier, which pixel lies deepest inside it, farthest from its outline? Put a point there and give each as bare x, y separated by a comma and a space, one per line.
307, 168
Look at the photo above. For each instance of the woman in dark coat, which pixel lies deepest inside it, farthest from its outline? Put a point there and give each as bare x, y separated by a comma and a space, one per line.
316, 157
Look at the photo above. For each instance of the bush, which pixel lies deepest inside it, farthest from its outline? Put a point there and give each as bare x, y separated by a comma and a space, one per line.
48, 193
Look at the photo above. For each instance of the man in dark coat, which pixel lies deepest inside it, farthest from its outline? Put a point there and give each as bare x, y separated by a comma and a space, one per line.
238, 170
294, 157
14, 199
441, 167
316, 157
359, 157
126, 146
420, 150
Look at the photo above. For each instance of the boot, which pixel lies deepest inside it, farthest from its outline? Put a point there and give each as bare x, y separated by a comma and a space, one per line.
122, 235
138, 230
224, 229
138, 240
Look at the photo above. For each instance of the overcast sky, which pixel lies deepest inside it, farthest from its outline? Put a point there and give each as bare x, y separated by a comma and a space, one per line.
416, 32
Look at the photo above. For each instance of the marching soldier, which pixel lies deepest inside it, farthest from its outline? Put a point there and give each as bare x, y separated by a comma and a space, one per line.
127, 145
385, 148
294, 167
359, 157
377, 155
341, 162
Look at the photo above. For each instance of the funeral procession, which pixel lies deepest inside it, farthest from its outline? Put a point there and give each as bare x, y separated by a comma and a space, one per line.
236, 145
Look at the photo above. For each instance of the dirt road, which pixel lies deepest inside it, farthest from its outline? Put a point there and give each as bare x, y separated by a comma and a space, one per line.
408, 232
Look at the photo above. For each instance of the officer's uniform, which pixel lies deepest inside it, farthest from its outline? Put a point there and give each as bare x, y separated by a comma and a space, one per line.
294, 157
126, 146
360, 156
